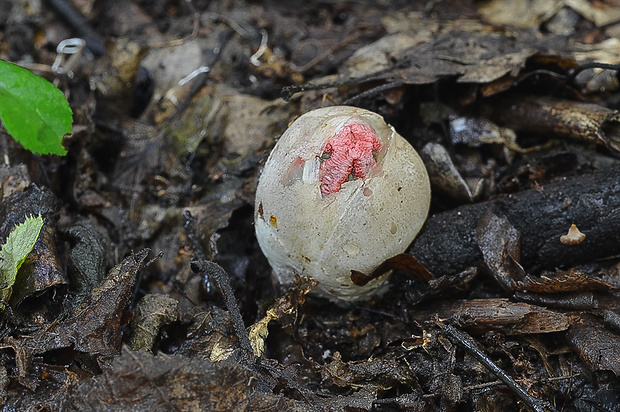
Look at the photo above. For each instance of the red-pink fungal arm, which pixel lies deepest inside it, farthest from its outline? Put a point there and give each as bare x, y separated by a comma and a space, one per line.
350, 152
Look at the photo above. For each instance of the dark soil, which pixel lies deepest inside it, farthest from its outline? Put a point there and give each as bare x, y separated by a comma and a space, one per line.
177, 104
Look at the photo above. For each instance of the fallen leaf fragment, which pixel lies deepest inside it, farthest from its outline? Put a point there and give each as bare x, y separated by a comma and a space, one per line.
287, 304
597, 346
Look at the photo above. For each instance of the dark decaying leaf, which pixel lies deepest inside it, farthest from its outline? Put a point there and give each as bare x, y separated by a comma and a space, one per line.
612, 320
163, 382
151, 314
382, 374
500, 244
415, 294
95, 326
210, 335
41, 271
596, 345
154, 383
88, 257
445, 179
31, 201
402, 262
115, 74
432, 49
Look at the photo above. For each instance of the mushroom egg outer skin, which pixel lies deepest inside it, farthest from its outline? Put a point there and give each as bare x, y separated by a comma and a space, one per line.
304, 228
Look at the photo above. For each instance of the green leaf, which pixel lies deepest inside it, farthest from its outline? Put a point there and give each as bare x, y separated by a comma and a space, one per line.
15, 251
33, 110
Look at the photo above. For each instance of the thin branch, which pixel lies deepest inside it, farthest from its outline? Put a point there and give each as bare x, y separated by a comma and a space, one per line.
215, 271
468, 343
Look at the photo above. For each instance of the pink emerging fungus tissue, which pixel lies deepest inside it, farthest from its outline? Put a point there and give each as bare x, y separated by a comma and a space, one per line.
340, 192
348, 154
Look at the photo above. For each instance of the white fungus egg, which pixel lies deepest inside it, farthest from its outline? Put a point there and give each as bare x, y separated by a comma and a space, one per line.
340, 192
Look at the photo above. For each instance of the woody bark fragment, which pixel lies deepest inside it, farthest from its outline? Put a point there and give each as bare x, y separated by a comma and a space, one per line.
480, 316
566, 118
447, 244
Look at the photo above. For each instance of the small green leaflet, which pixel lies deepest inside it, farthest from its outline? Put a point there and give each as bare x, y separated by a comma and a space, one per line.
33, 110
16, 249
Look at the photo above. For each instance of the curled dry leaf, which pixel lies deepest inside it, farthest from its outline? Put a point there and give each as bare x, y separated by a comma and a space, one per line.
340, 192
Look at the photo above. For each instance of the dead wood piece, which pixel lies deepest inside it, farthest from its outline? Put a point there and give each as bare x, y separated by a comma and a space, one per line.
592, 302
543, 115
569, 281
447, 243
483, 315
